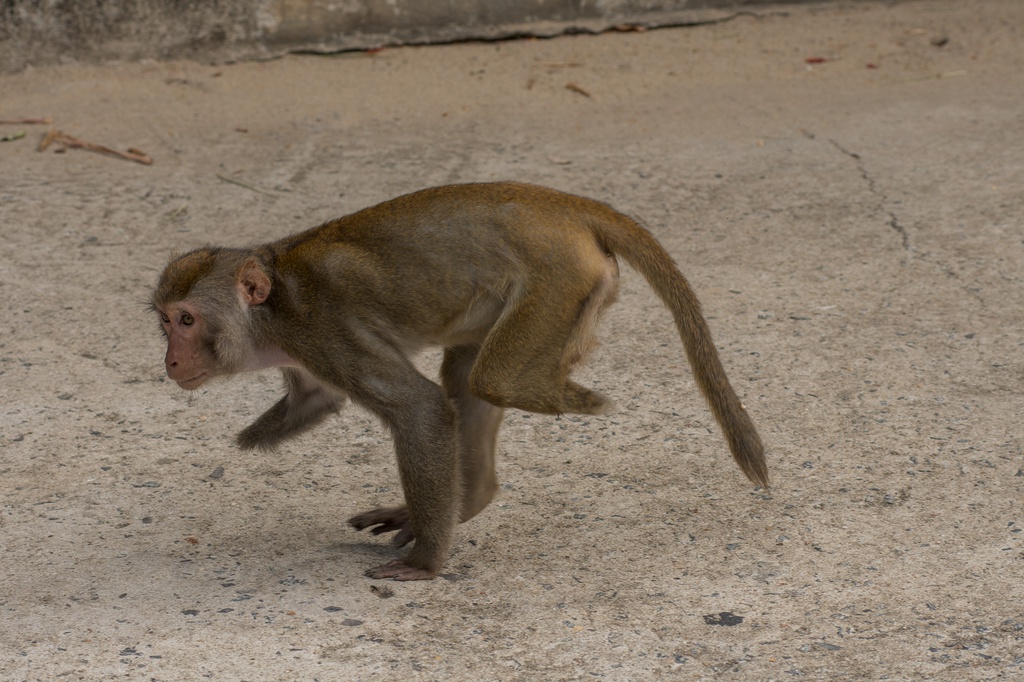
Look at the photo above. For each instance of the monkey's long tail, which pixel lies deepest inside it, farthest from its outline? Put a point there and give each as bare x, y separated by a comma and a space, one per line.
622, 236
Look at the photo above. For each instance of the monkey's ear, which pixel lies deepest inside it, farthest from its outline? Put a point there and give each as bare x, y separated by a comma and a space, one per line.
253, 283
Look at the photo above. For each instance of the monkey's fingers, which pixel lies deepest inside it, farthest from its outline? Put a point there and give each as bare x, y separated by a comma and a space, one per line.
399, 570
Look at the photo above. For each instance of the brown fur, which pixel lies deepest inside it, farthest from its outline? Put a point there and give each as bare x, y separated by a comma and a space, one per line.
509, 278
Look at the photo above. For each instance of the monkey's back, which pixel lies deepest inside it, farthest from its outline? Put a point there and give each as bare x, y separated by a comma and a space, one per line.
460, 250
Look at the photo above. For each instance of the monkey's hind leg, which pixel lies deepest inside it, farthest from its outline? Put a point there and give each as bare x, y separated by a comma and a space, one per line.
479, 422
527, 356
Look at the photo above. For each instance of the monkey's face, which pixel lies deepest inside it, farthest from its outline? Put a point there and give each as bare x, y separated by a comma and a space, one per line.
205, 301
190, 360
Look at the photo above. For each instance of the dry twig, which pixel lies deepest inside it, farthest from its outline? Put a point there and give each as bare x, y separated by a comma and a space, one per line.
56, 136
577, 89
242, 184
45, 120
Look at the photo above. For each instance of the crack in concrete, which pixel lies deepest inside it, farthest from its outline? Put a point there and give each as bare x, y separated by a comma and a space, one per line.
894, 221
544, 30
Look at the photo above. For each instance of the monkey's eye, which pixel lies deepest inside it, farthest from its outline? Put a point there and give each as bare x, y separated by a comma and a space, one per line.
165, 319
187, 319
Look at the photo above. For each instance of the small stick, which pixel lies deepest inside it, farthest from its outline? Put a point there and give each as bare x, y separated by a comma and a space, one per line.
577, 89
50, 136
46, 120
242, 184
57, 136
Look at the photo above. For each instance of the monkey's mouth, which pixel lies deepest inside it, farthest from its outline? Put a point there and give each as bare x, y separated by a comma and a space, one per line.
193, 383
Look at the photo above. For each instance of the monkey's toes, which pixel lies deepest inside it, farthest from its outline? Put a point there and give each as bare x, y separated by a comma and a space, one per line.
399, 570
386, 520
404, 536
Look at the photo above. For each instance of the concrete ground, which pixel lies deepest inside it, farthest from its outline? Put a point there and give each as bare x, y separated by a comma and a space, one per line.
842, 185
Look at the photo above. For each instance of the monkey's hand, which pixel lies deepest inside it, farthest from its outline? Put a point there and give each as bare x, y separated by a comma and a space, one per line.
386, 520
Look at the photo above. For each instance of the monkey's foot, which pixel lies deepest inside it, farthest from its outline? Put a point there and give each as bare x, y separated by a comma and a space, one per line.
572, 399
399, 570
387, 519
578, 399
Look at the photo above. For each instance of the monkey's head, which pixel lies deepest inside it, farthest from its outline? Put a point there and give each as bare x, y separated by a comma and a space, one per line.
204, 300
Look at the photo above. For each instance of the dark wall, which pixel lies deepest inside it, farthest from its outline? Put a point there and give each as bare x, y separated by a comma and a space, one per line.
48, 31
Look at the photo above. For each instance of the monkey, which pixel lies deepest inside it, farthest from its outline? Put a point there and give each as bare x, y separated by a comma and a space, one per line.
509, 279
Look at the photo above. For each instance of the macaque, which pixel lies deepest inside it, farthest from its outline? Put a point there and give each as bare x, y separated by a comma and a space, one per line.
508, 278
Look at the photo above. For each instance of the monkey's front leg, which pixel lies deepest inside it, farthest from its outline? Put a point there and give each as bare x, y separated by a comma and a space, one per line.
479, 422
423, 424
304, 406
